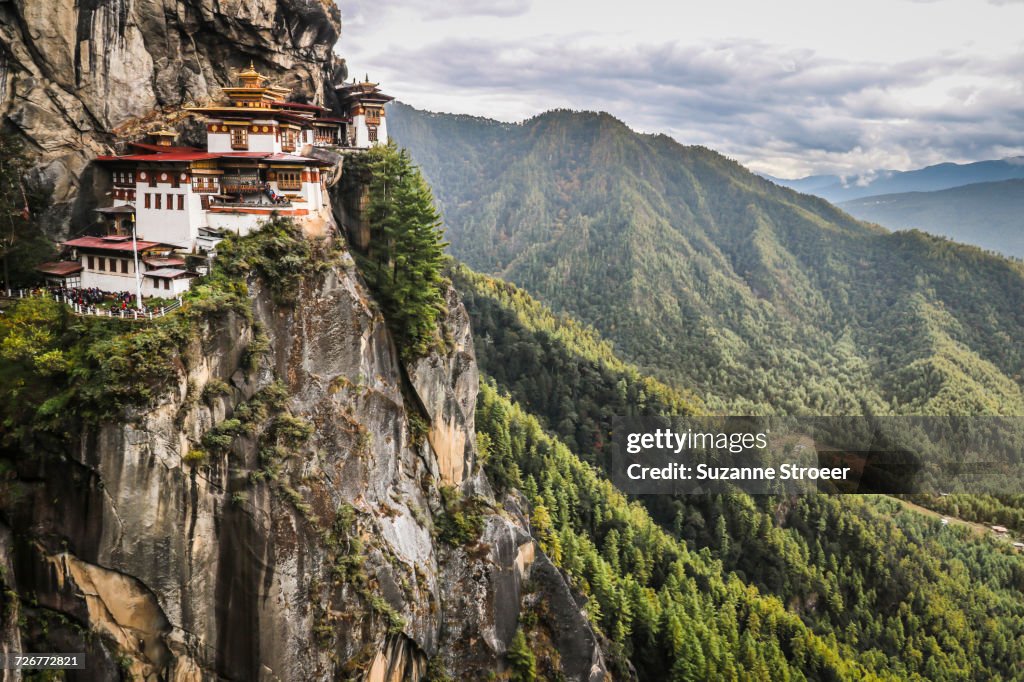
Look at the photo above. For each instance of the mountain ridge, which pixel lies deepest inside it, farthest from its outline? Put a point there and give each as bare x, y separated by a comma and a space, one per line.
986, 214
701, 272
838, 188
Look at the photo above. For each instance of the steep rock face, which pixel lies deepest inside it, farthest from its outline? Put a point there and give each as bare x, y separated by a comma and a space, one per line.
446, 386
10, 606
274, 515
74, 72
274, 556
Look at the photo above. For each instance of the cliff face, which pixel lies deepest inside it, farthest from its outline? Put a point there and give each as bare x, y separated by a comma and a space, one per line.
285, 509
74, 72
309, 544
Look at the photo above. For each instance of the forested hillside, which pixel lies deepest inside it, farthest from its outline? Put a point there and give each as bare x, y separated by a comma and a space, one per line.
560, 370
720, 586
833, 588
710, 277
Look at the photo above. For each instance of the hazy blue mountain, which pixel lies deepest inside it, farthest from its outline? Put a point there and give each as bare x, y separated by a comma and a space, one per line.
838, 189
986, 214
813, 184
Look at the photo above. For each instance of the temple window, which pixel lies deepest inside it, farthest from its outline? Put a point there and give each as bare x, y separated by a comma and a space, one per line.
239, 138
203, 184
288, 140
289, 180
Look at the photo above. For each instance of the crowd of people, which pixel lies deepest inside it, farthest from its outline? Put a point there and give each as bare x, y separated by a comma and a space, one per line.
94, 297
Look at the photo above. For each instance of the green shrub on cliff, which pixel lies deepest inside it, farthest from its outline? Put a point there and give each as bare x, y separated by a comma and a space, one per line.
23, 240
59, 370
56, 368
404, 260
522, 660
461, 521
278, 253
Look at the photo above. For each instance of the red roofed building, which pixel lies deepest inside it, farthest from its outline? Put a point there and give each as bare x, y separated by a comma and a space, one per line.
65, 273
108, 263
253, 166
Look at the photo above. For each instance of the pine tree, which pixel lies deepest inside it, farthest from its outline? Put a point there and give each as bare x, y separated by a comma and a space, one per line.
404, 260
521, 658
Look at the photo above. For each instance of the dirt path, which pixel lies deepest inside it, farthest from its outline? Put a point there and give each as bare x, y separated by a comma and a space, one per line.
976, 528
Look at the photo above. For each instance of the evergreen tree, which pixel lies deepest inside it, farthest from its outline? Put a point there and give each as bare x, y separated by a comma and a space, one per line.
405, 255
522, 660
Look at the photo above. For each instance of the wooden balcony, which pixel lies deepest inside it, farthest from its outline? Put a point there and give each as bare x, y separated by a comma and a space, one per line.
241, 187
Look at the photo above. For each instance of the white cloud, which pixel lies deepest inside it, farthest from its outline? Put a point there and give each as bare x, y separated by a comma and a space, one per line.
792, 87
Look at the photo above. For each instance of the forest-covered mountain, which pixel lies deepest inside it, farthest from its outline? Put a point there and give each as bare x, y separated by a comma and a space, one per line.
941, 176
704, 274
986, 214
820, 587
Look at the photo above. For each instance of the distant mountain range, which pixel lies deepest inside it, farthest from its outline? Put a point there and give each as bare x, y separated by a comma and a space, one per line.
986, 214
838, 189
975, 203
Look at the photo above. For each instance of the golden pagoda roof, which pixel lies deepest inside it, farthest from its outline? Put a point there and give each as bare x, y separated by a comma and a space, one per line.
251, 71
251, 74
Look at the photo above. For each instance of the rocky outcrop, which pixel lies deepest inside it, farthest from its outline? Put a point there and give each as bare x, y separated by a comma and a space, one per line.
446, 386
275, 514
74, 73
305, 546
10, 605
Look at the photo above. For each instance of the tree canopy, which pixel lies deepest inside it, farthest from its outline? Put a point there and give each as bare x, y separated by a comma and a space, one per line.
405, 257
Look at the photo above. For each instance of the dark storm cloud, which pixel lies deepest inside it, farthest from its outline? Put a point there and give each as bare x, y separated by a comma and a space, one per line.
743, 97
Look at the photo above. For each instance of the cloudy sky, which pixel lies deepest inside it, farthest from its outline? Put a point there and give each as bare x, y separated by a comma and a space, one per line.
789, 87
